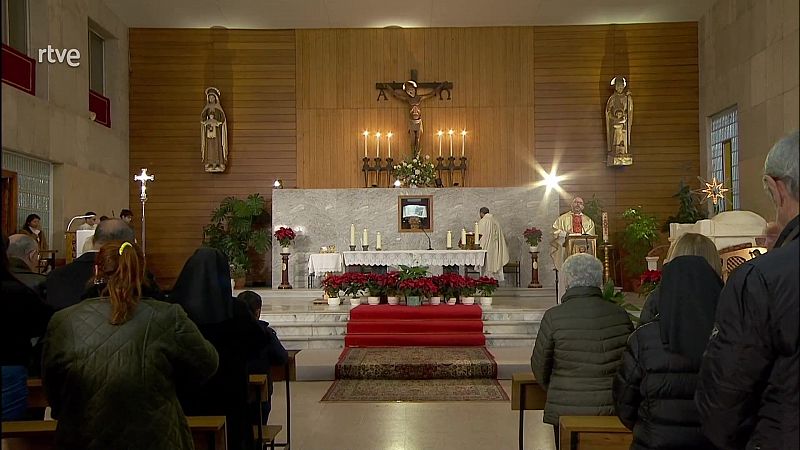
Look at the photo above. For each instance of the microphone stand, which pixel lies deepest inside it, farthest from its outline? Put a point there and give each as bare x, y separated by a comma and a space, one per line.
430, 247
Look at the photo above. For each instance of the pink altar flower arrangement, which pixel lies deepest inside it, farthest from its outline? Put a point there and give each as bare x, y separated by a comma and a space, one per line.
285, 236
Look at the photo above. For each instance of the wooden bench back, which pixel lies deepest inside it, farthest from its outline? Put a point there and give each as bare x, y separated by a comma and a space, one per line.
593, 432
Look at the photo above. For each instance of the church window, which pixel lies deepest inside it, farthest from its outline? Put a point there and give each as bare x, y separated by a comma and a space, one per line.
724, 139
15, 24
34, 178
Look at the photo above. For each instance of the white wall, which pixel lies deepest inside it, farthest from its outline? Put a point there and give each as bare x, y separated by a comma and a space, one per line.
749, 58
90, 160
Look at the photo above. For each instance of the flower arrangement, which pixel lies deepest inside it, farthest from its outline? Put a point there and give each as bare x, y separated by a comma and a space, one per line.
650, 280
422, 287
285, 236
419, 171
375, 284
533, 235
353, 283
332, 284
486, 286
390, 283
453, 285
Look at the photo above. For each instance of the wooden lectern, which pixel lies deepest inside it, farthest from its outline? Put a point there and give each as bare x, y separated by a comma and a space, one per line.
580, 243
70, 249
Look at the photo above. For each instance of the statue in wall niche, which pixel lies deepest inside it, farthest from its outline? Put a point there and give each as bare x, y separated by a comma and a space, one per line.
214, 134
619, 121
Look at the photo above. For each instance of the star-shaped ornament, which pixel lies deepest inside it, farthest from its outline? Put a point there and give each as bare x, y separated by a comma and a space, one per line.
714, 190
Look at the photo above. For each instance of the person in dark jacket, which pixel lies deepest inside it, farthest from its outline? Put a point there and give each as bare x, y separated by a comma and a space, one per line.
23, 317
654, 388
579, 345
68, 285
748, 389
111, 365
273, 355
686, 245
23, 260
203, 289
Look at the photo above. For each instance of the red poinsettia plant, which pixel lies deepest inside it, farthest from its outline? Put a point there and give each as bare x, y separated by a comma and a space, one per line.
353, 283
374, 284
533, 235
649, 282
285, 236
487, 285
332, 284
422, 287
390, 284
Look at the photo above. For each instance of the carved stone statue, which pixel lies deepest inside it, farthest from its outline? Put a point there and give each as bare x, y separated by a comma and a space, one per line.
214, 133
619, 120
410, 95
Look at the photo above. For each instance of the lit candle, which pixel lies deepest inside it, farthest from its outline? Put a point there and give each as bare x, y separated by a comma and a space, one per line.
352, 235
378, 240
476, 231
605, 227
463, 138
365, 238
464, 236
389, 140
440, 133
449, 239
450, 134
378, 148
366, 137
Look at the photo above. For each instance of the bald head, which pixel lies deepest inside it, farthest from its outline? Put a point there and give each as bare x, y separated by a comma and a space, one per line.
22, 246
112, 230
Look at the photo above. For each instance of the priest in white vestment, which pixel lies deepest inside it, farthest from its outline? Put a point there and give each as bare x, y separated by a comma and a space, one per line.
574, 221
494, 242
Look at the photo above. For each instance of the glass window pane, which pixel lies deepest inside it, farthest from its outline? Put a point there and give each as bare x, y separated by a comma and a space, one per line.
96, 63
33, 178
17, 24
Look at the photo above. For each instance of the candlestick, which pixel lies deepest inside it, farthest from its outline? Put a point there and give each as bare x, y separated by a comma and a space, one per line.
464, 236
440, 133
378, 148
352, 235
389, 140
450, 134
366, 137
449, 239
476, 232
378, 241
463, 138
365, 238
605, 227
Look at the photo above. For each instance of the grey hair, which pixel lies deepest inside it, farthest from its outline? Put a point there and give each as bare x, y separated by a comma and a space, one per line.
582, 269
20, 246
781, 162
484, 210
113, 230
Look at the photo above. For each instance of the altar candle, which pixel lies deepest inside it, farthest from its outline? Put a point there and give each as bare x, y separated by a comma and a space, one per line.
449, 239
352, 234
365, 238
440, 133
450, 134
378, 148
476, 231
378, 240
605, 227
366, 138
389, 140
463, 138
464, 236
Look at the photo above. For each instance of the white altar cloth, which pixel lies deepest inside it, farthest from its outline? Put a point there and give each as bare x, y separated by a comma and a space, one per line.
320, 263
428, 258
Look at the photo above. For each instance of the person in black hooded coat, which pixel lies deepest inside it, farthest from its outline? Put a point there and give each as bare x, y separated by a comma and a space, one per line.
655, 385
203, 289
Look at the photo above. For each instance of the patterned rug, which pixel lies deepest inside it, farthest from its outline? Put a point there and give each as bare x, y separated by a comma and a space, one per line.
416, 363
459, 390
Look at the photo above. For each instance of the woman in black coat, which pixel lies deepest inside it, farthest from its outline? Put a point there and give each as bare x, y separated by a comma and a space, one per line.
204, 290
654, 387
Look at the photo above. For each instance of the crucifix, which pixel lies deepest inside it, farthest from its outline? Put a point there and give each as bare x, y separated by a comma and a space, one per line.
143, 178
409, 93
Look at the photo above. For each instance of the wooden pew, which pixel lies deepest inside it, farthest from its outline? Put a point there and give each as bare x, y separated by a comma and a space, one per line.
208, 432
36, 396
526, 394
263, 434
593, 432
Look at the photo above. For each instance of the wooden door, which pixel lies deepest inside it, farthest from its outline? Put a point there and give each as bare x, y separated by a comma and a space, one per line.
10, 194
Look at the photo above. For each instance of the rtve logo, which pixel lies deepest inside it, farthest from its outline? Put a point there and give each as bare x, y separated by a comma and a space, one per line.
72, 56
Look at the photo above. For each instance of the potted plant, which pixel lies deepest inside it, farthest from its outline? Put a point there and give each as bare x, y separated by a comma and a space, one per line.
486, 287
617, 297
374, 285
331, 285
234, 231
468, 291
449, 286
390, 286
648, 282
285, 237
690, 208
416, 288
594, 210
638, 238
533, 236
353, 284
409, 290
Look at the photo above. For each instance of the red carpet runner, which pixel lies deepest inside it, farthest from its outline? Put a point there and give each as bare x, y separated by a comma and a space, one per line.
408, 326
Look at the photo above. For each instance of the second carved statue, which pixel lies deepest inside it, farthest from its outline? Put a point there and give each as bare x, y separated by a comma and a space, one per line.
619, 121
214, 133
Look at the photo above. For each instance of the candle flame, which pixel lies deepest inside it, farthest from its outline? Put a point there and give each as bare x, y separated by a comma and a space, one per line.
450, 132
439, 133
463, 132
365, 133
378, 135
389, 135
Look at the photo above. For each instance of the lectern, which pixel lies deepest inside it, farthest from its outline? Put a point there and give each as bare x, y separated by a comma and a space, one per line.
580, 243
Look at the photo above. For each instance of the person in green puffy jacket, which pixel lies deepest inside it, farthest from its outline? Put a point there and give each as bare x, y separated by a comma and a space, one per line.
579, 345
111, 364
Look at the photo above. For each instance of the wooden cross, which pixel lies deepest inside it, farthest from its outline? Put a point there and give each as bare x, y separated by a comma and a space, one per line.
143, 178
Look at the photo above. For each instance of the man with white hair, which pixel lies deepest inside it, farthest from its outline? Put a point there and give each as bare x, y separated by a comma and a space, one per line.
23, 261
747, 393
579, 345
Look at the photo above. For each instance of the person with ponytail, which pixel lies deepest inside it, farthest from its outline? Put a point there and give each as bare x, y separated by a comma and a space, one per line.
111, 365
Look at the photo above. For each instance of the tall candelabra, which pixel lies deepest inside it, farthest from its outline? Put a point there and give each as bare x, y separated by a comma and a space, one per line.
450, 168
378, 168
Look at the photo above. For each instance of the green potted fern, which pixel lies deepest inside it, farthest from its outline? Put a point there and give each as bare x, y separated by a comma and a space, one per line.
638, 238
234, 230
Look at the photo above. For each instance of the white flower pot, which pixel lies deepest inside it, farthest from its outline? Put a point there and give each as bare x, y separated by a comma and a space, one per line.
285, 250
486, 301
233, 284
534, 248
436, 300
333, 301
451, 301
652, 262
393, 300
468, 300
373, 300
355, 301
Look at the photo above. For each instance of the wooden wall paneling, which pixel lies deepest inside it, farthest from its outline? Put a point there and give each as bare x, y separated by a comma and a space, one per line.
170, 69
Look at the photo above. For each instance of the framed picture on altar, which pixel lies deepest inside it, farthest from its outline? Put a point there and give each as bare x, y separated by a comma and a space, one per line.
415, 213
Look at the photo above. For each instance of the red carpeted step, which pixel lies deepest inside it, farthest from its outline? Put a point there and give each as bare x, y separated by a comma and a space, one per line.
414, 326
380, 312
415, 339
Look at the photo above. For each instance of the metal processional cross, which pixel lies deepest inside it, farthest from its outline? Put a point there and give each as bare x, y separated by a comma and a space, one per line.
143, 178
